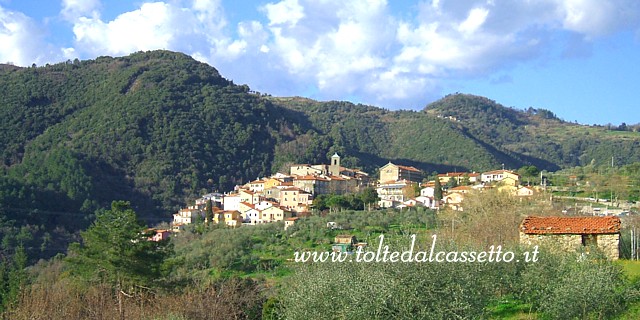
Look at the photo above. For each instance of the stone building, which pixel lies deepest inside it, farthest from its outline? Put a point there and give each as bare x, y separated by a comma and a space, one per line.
572, 233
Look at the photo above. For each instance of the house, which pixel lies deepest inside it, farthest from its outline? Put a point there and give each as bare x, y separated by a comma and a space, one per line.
216, 198
499, 175
461, 189
388, 203
231, 202
230, 218
459, 177
294, 197
187, 216
288, 222
159, 234
572, 233
257, 186
427, 192
249, 196
344, 242
524, 192
393, 191
252, 216
275, 214
454, 200
428, 202
345, 239
307, 170
392, 172
312, 184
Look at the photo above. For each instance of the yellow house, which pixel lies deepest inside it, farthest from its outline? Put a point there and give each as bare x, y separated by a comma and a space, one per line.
272, 183
275, 214
249, 196
524, 192
293, 197
393, 172
232, 218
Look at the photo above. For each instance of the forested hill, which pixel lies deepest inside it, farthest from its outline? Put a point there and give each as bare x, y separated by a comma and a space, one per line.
537, 136
159, 128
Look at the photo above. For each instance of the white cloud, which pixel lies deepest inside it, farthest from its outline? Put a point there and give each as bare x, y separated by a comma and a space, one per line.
74, 9
21, 39
195, 29
477, 16
284, 12
150, 27
595, 18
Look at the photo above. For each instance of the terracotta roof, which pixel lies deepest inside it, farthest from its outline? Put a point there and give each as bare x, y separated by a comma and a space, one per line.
500, 171
291, 189
451, 174
570, 225
408, 168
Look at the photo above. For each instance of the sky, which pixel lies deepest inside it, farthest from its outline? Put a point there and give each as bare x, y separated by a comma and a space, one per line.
577, 58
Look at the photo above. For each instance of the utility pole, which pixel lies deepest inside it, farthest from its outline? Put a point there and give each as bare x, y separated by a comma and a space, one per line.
611, 161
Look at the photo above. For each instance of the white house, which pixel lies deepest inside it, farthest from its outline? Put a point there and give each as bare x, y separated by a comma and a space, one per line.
231, 202
427, 192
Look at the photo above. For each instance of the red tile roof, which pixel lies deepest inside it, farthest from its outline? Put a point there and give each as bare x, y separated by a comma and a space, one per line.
408, 168
570, 225
500, 171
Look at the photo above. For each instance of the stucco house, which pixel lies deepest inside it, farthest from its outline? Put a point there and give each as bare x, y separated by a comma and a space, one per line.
525, 192
392, 172
459, 177
572, 233
454, 200
499, 175
288, 222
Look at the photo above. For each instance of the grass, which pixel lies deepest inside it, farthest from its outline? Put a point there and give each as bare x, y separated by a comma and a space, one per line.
511, 309
631, 268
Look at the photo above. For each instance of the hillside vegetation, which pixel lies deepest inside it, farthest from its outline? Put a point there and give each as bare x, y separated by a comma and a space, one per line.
159, 128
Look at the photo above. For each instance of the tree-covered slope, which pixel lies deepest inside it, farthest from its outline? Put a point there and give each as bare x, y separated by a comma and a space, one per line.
152, 128
537, 136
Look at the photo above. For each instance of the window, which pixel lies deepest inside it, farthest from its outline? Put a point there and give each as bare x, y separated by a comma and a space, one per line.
589, 240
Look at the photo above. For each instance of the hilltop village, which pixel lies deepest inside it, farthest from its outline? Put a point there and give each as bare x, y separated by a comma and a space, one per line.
288, 197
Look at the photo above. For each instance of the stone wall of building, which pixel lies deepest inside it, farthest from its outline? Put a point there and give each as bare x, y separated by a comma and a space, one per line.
563, 242
608, 243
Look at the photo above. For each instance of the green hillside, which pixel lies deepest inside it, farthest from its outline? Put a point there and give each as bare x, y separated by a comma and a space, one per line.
159, 128
537, 136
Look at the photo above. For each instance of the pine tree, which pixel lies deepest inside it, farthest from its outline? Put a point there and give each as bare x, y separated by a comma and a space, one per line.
116, 249
437, 192
208, 212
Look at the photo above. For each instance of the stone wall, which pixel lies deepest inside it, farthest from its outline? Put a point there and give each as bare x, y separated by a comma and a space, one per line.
608, 243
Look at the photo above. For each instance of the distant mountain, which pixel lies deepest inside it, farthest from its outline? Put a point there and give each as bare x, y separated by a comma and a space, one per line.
158, 128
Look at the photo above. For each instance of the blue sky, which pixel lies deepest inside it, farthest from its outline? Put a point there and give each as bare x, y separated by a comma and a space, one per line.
577, 58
